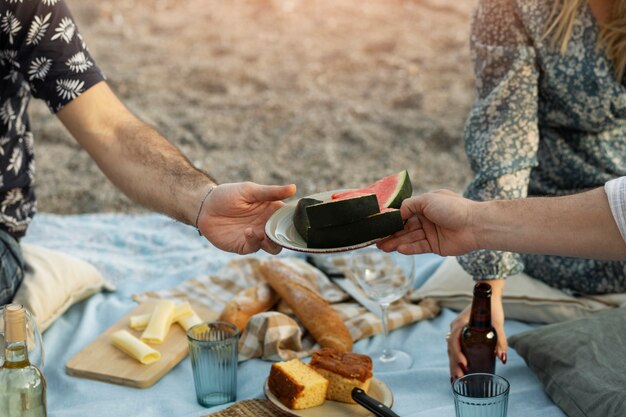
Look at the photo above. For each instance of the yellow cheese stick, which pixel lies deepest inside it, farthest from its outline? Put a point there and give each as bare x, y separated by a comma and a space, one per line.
140, 321
134, 347
159, 323
189, 321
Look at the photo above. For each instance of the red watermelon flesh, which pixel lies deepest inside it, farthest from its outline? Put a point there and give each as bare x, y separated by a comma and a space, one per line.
390, 191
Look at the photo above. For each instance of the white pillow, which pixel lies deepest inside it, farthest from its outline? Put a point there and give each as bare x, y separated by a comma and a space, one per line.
53, 281
525, 298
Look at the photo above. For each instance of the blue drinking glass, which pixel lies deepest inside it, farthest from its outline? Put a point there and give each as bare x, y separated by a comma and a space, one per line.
213, 351
481, 395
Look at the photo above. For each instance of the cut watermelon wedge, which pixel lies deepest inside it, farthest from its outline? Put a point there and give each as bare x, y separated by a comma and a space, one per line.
390, 191
369, 228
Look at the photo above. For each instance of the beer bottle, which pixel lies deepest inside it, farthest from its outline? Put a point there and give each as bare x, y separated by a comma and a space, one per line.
479, 338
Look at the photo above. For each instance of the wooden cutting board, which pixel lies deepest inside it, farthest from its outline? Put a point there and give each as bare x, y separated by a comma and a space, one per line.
102, 361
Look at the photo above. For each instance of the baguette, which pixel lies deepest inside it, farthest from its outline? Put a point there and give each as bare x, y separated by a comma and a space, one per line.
317, 316
247, 303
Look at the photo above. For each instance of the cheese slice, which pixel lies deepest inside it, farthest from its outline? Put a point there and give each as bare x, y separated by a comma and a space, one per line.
140, 321
134, 347
159, 323
189, 321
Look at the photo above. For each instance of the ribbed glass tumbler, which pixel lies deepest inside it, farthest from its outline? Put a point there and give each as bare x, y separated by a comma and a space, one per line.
213, 351
481, 395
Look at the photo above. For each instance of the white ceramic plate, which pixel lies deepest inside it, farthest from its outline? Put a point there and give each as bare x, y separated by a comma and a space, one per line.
280, 229
378, 390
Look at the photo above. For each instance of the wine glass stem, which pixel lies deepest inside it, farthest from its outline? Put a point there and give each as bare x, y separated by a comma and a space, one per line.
387, 354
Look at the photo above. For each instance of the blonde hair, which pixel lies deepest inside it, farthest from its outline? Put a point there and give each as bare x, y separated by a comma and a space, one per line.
612, 33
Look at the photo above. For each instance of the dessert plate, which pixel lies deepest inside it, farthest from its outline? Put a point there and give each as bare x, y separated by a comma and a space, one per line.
280, 229
378, 390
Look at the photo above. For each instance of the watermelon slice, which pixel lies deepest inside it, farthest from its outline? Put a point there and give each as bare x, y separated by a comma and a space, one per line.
390, 191
300, 218
369, 228
346, 210
314, 214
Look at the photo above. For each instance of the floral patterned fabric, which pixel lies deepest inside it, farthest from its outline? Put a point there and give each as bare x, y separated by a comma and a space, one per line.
42, 54
543, 123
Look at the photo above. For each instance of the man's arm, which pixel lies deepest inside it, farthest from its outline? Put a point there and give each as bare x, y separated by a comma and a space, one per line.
443, 222
137, 159
153, 172
579, 225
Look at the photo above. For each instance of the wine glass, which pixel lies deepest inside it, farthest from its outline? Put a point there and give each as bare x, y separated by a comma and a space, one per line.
384, 278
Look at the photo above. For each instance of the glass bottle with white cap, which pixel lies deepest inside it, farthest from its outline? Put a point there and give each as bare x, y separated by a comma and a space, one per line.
22, 384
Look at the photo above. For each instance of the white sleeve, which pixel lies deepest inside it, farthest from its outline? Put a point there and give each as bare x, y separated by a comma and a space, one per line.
616, 192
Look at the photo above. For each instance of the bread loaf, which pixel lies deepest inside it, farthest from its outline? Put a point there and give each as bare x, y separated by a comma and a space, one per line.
317, 316
247, 303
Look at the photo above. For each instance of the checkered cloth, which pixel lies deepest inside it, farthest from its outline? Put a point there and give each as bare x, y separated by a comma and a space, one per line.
278, 335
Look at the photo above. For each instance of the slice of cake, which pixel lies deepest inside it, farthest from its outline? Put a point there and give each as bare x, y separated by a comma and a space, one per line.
296, 385
344, 371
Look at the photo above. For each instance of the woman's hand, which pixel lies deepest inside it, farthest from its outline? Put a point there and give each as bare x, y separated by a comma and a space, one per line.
457, 360
233, 216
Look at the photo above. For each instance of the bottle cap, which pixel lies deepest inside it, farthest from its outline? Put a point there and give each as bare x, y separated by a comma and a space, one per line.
14, 323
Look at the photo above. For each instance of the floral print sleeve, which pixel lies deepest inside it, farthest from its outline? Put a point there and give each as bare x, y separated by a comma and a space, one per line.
501, 134
42, 54
49, 51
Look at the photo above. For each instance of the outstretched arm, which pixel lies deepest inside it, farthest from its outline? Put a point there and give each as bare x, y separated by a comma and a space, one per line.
153, 172
442, 222
580, 225
137, 159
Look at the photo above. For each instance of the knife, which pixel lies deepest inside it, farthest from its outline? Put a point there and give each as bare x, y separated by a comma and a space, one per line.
379, 409
339, 278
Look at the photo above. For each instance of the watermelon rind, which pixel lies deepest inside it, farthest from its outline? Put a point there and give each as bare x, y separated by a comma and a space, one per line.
334, 212
403, 190
373, 227
300, 218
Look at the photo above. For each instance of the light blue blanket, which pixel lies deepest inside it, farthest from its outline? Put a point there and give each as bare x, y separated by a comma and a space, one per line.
142, 252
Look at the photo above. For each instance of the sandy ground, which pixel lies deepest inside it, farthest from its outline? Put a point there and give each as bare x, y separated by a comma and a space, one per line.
323, 93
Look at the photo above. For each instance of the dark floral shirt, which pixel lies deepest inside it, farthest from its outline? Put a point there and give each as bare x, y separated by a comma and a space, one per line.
43, 55
543, 123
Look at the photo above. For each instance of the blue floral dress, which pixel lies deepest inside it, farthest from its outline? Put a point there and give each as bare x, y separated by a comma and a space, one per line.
543, 123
